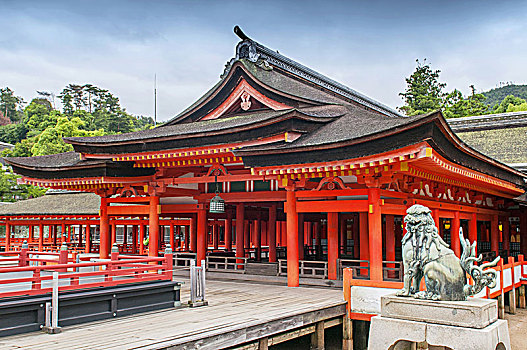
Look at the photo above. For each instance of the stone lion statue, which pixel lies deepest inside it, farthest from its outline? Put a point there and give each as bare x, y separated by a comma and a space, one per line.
425, 254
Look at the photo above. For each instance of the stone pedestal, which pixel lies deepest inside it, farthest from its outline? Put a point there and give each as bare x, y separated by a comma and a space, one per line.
463, 325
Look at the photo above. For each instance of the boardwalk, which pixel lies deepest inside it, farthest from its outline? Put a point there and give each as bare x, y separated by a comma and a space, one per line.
238, 312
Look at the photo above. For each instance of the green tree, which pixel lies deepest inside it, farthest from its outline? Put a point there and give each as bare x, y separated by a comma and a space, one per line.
10, 191
424, 93
510, 103
10, 104
455, 105
12, 133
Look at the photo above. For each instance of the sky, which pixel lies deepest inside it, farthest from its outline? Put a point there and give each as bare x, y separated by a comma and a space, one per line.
370, 46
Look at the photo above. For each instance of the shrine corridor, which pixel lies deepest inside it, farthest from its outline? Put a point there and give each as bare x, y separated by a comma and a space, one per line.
238, 313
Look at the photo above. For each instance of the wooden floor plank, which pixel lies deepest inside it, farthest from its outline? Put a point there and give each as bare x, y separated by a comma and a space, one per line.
232, 305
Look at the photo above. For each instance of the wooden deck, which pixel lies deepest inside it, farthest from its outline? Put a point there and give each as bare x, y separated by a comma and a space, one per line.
238, 313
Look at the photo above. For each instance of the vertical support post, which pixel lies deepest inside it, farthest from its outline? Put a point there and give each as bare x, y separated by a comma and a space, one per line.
7, 235
283, 233
153, 226
202, 233
501, 306
390, 238
258, 239
364, 240
473, 230
333, 245
317, 337
228, 232
113, 233
40, 237
141, 238
494, 235
271, 227
300, 236
292, 239
318, 239
263, 343
455, 244
343, 235
246, 234
87, 244
435, 216
194, 234
347, 333
63, 232
172, 236
375, 233
512, 292
356, 251
55, 301
506, 234
134, 239
240, 225
104, 248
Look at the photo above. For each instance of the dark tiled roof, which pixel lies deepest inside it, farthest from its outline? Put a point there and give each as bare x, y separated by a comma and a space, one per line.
207, 126
61, 160
490, 121
55, 204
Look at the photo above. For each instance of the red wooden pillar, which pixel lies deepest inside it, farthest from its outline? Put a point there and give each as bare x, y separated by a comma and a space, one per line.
7, 235
318, 239
435, 216
153, 226
292, 239
356, 251
87, 240
343, 235
473, 230
228, 232
333, 245
125, 235
283, 232
506, 234
187, 237
193, 234
63, 232
375, 233
215, 236
494, 235
278, 229
364, 238
141, 238
30, 238
271, 227
265, 233
258, 239
390, 238
134, 239
300, 236
240, 228
40, 237
246, 235
454, 234
202, 224
309, 228
172, 237
104, 248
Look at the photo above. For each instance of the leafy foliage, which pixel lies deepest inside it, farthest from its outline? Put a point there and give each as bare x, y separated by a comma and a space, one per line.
495, 96
10, 191
511, 104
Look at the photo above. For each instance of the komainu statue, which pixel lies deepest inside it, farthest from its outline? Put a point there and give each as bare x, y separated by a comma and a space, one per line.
425, 254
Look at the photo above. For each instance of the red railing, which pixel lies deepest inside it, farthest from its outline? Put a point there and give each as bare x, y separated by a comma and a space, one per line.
33, 280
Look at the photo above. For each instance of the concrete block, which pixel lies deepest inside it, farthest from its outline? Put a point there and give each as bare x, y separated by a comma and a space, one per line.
472, 313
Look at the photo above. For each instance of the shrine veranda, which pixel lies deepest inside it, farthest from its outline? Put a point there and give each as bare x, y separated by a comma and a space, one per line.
315, 177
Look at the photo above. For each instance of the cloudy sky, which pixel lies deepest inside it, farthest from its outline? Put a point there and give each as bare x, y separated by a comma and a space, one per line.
370, 46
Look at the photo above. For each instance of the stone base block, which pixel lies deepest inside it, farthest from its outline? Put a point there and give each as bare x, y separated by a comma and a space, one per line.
390, 333
472, 313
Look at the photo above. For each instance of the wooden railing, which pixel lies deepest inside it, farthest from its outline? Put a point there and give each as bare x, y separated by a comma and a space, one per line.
306, 268
226, 263
360, 269
34, 280
184, 259
392, 271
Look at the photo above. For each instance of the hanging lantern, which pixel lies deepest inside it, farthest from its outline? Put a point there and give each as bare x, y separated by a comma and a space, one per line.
217, 204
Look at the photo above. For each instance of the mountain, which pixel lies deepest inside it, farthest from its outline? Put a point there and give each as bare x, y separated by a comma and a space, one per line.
498, 94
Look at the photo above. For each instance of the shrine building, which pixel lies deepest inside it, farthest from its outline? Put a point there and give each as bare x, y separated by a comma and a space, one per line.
277, 163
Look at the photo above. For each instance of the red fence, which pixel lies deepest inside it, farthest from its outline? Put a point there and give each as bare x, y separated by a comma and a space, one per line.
31, 280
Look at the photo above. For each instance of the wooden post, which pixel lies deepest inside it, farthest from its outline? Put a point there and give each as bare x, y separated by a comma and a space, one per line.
134, 239
87, 245
506, 234
375, 233
512, 292
317, 337
202, 224
125, 235
283, 232
263, 343
240, 226
364, 240
258, 239
455, 244
141, 238
40, 237
333, 244
318, 239
501, 306
435, 216
246, 235
271, 227
228, 232
390, 238
292, 239
521, 299
356, 251
347, 333
153, 226
494, 235
300, 236
104, 247
63, 232
473, 229
113, 233
172, 238
193, 234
